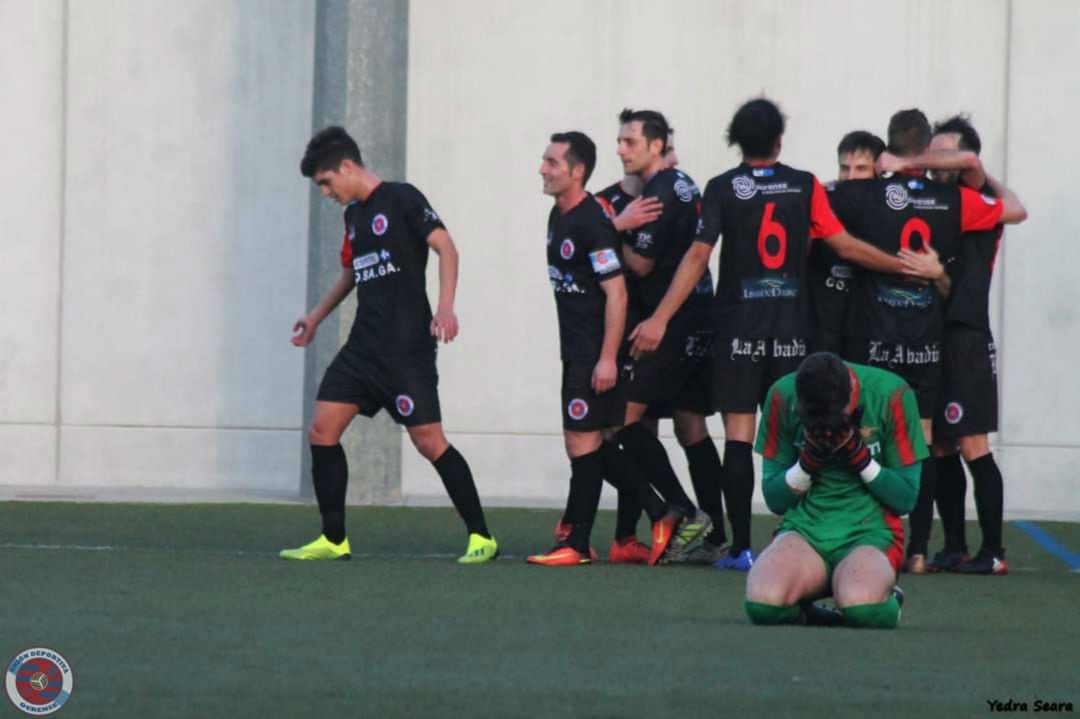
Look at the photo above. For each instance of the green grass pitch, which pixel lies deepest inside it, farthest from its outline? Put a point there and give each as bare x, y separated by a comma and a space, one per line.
185, 611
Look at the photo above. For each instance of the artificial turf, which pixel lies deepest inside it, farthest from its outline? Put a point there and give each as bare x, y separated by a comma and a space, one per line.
185, 611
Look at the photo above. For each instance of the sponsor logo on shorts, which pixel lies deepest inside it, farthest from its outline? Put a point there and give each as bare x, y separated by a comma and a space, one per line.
764, 288
604, 261
566, 249
954, 412
404, 404
39, 681
577, 409
895, 355
379, 224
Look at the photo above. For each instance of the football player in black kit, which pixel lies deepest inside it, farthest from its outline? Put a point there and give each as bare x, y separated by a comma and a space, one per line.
630, 210
828, 276
650, 254
388, 361
891, 322
590, 296
768, 213
967, 408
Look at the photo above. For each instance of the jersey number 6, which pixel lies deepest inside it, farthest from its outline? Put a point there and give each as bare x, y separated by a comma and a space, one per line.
771, 228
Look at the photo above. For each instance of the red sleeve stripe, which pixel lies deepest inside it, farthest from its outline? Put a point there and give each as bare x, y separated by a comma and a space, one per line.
900, 429
346, 252
823, 222
772, 426
609, 209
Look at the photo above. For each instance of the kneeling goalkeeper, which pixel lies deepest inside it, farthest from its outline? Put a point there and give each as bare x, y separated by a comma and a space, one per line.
841, 446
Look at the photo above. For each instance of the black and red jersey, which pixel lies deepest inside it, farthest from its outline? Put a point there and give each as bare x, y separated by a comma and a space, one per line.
767, 216
385, 245
581, 254
969, 299
614, 199
911, 212
666, 239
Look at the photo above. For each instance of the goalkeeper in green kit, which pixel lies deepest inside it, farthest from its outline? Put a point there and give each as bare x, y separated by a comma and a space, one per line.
841, 446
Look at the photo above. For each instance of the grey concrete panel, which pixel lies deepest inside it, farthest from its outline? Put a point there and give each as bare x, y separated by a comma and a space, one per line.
1040, 391
185, 233
259, 460
361, 74
31, 145
27, 454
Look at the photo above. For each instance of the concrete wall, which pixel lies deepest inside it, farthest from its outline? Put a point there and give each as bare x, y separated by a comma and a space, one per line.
154, 228
155, 239
489, 81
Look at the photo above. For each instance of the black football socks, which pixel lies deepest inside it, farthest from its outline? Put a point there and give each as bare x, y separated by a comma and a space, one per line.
706, 474
330, 477
586, 483
951, 489
621, 473
989, 501
923, 514
648, 453
455, 475
738, 487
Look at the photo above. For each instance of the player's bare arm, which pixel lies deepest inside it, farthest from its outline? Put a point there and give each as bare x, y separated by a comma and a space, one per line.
863, 254
444, 324
641, 211
637, 264
965, 162
648, 335
927, 266
1014, 212
607, 372
304, 329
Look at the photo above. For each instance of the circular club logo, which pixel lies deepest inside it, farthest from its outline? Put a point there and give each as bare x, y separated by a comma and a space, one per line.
405, 405
39, 681
954, 412
744, 187
566, 249
577, 409
683, 191
896, 196
379, 224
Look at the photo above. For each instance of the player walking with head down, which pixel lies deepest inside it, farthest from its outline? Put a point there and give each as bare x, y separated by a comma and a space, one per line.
388, 362
768, 213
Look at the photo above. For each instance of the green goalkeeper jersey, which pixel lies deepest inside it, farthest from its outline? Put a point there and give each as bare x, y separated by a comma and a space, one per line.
838, 498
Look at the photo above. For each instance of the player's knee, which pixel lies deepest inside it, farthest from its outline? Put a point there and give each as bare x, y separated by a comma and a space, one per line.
973, 447
767, 593
430, 445
323, 435
768, 614
690, 429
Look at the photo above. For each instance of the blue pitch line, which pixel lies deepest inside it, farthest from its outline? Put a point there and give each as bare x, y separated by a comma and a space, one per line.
1044, 540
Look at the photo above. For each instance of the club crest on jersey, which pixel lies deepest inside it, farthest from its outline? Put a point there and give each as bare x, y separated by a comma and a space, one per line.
744, 187
566, 249
577, 409
604, 261
379, 224
682, 189
896, 197
954, 412
404, 404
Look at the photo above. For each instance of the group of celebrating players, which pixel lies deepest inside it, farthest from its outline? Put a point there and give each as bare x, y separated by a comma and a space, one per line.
891, 273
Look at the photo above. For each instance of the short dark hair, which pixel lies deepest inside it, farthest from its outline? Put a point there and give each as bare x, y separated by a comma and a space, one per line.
581, 150
654, 126
327, 149
667, 147
861, 141
823, 388
909, 133
961, 125
755, 128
